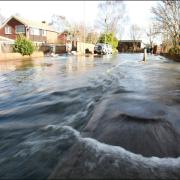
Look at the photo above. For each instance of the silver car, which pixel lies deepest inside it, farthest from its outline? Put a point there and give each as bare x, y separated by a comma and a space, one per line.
102, 48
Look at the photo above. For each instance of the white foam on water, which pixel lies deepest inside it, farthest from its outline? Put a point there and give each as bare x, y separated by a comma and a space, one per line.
94, 157
75, 132
118, 151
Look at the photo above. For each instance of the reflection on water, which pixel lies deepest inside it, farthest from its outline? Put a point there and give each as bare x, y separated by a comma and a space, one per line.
39, 97
72, 65
79, 65
12, 65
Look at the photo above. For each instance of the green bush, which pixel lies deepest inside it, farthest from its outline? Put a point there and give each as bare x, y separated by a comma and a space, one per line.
109, 38
115, 51
23, 46
173, 51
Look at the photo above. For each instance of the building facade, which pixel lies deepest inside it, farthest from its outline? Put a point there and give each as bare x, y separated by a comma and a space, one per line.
129, 45
39, 32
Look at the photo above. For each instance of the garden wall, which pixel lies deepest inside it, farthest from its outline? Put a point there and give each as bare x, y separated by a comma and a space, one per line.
5, 48
175, 57
14, 56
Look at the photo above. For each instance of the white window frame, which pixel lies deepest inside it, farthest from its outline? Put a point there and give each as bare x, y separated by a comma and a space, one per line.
8, 30
20, 31
34, 31
43, 32
31, 31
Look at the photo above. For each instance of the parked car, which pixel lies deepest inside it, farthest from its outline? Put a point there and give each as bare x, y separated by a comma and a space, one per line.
109, 49
102, 48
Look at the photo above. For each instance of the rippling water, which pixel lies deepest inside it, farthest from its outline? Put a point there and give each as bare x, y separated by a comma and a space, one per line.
38, 98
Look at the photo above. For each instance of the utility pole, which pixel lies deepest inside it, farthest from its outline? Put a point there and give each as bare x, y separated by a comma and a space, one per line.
105, 31
84, 20
84, 26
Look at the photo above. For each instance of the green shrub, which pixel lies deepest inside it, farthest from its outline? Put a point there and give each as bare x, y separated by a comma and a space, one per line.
110, 39
23, 46
114, 51
173, 51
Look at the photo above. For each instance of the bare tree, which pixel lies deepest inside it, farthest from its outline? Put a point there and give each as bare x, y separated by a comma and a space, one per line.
17, 14
84, 33
167, 18
110, 15
135, 34
92, 37
78, 31
2, 18
60, 23
151, 33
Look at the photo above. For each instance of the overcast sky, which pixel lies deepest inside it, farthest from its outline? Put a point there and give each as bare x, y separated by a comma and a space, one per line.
86, 11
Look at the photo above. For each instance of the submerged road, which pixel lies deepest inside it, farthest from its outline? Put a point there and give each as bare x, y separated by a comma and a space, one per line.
90, 117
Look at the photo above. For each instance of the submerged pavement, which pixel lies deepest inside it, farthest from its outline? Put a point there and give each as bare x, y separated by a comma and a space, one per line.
90, 117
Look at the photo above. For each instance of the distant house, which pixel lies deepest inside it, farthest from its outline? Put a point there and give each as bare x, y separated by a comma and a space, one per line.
63, 37
128, 45
39, 32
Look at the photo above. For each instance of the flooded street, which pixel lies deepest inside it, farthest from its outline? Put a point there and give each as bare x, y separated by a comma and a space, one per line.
51, 109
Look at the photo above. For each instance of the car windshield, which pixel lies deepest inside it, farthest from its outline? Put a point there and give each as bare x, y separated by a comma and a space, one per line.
99, 44
103, 45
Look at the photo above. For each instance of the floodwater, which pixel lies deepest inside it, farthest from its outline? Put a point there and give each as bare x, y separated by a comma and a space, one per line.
45, 102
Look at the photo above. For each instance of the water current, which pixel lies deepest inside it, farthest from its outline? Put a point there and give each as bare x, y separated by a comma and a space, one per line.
45, 104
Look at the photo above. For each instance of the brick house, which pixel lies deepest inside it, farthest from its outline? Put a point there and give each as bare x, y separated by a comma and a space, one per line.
39, 32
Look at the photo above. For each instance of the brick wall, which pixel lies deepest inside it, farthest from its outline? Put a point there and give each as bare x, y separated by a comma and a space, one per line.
18, 56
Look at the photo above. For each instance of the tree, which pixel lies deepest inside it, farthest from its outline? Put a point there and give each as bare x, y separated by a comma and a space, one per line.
92, 37
23, 46
109, 38
77, 32
110, 16
2, 18
17, 14
167, 18
59, 23
83, 33
135, 33
151, 33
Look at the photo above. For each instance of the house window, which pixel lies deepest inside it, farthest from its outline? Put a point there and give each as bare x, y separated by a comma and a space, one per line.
43, 32
8, 30
20, 29
34, 31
